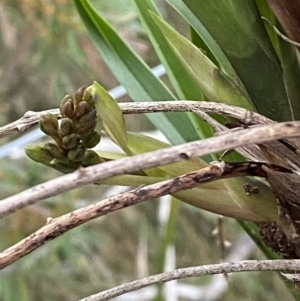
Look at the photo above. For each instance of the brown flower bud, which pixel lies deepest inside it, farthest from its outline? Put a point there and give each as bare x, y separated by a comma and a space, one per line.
82, 108
85, 129
66, 100
79, 95
67, 109
88, 118
87, 122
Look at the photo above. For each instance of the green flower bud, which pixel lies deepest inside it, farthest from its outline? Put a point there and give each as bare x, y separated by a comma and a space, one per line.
64, 165
91, 158
36, 153
76, 154
70, 141
53, 150
92, 140
88, 97
48, 124
66, 127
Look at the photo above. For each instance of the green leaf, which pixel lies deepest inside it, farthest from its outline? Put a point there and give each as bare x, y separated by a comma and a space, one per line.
182, 81
142, 85
241, 34
134, 75
139, 144
288, 57
110, 114
226, 197
215, 84
184, 84
106, 155
208, 42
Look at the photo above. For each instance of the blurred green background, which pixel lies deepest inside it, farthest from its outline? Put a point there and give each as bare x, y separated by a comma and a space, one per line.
45, 53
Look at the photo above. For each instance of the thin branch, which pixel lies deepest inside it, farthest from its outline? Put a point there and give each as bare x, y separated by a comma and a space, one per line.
280, 34
245, 116
102, 171
58, 226
210, 269
31, 118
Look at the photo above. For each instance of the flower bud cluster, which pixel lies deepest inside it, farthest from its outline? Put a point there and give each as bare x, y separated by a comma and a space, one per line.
73, 137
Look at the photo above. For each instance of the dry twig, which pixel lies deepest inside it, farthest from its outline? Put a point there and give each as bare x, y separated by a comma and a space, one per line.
160, 157
30, 118
57, 226
285, 38
60, 225
210, 269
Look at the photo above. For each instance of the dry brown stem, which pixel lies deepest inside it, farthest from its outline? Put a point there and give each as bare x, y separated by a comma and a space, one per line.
30, 118
82, 176
57, 226
229, 140
210, 269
